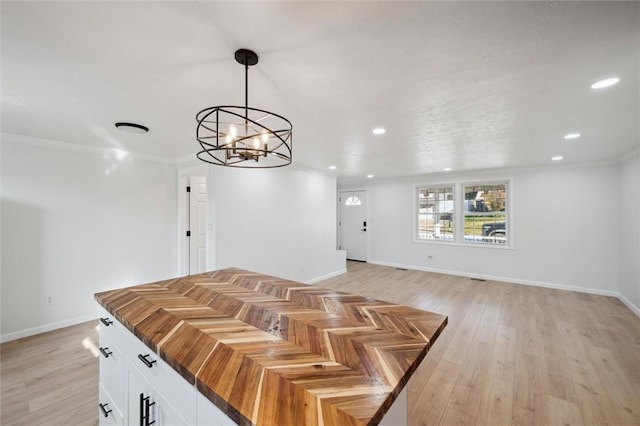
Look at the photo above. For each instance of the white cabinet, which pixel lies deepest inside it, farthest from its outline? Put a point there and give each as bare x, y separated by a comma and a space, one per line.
137, 388
210, 415
111, 362
110, 414
111, 391
147, 406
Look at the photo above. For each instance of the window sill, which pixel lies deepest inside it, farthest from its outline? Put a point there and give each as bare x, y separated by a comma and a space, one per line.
459, 244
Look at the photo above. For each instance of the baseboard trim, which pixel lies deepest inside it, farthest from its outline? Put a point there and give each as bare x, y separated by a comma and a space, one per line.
630, 305
327, 276
44, 328
616, 294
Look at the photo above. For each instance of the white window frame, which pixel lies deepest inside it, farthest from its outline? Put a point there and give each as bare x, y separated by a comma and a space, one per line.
416, 212
508, 212
459, 213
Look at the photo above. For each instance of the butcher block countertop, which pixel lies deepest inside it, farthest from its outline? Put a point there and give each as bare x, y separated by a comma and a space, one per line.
269, 351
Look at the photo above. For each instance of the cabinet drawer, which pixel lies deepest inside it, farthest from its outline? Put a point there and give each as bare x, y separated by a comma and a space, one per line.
111, 369
173, 387
109, 325
108, 413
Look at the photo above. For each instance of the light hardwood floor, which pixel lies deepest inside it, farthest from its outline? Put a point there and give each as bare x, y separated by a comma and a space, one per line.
51, 378
510, 355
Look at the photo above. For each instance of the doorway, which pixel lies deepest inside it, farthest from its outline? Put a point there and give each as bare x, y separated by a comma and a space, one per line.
197, 226
193, 224
352, 224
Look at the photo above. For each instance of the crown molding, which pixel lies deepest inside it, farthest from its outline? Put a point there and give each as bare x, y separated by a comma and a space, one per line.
67, 146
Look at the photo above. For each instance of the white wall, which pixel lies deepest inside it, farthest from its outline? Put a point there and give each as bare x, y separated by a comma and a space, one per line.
76, 222
276, 221
630, 224
565, 231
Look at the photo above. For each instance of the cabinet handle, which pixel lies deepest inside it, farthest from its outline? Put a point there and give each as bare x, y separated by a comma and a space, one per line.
146, 361
106, 321
145, 410
105, 351
141, 410
103, 407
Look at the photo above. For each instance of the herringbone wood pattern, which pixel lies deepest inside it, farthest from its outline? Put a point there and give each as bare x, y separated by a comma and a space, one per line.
511, 354
277, 352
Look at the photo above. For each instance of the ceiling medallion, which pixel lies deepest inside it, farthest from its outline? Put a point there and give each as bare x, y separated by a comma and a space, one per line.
240, 136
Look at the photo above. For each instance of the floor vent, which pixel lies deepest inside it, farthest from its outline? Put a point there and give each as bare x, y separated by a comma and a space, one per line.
401, 269
477, 279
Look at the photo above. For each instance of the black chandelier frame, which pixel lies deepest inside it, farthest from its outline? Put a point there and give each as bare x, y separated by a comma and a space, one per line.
239, 152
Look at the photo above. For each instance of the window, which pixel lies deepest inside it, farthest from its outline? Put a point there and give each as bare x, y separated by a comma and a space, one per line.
485, 213
353, 201
435, 213
465, 213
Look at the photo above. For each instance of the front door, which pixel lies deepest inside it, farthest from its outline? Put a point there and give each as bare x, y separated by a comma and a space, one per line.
353, 224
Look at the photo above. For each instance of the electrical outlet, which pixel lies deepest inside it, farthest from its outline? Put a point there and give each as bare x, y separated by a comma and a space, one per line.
48, 300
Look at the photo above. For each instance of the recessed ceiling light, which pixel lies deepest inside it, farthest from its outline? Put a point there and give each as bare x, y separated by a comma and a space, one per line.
369, 176
572, 136
132, 127
379, 131
557, 158
332, 167
607, 82
447, 169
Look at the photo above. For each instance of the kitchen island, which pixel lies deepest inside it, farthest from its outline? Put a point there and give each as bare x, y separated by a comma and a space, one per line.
258, 350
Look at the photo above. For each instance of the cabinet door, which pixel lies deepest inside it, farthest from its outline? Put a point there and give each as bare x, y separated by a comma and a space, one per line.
161, 376
146, 406
168, 416
210, 415
109, 413
140, 412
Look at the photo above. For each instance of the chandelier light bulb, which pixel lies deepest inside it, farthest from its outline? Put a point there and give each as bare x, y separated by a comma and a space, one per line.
264, 136
228, 139
233, 131
256, 142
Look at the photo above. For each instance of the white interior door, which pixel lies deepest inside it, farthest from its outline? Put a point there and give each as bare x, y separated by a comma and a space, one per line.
353, 224
197, 224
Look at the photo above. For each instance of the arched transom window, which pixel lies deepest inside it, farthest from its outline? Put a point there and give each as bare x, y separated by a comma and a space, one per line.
353, 201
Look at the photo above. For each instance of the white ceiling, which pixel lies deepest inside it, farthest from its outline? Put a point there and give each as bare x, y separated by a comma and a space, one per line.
465, 85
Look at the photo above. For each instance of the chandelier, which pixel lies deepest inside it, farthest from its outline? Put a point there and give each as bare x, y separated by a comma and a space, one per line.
237, 136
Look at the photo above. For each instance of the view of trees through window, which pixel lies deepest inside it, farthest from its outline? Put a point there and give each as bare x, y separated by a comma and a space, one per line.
485, 214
